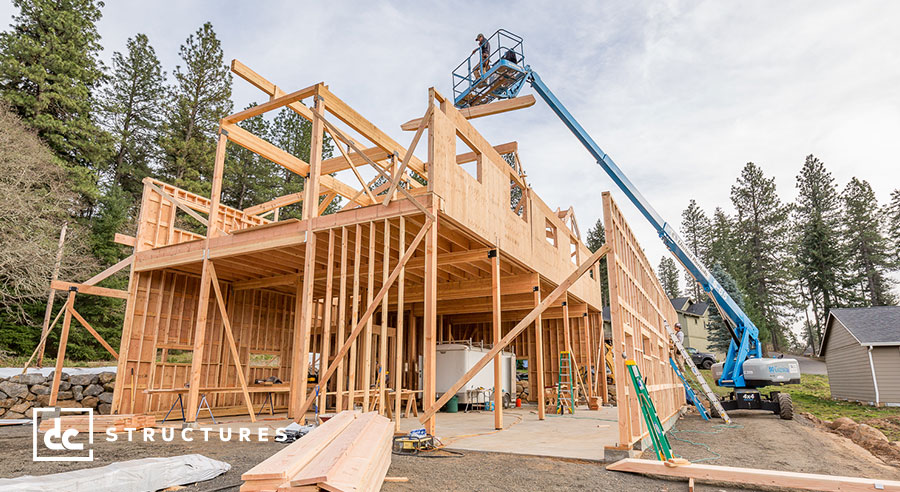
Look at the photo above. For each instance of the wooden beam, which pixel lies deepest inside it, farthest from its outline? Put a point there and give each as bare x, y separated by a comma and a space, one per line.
326, 322
178, 203
755, 476
279, 202
45, 328
409, 153
361, 323
337, 164
274, 103
109, 271
230, 337
61, 351
258, 81
367, 341
342, 318
513, 333
89, 289
87, 326
284, 159
501, 149
199, 346
337, 133
483, 110
125, 240
366, 128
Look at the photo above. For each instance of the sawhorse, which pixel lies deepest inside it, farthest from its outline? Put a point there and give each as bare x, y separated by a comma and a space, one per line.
180, 402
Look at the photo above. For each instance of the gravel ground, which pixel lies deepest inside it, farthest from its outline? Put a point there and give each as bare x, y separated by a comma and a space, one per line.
759, 440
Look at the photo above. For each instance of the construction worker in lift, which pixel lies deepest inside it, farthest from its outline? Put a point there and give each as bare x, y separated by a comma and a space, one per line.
484, 64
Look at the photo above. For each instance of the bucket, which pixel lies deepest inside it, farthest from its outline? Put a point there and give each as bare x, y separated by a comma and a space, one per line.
453, 404
518, 403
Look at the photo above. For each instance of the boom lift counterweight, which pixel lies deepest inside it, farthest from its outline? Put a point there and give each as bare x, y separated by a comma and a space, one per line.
744, 369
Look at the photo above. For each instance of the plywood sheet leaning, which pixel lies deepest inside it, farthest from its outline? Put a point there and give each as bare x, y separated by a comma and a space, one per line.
349, 452
638, 306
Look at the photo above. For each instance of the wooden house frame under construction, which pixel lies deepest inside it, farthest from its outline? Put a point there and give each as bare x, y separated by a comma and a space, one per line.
434, 254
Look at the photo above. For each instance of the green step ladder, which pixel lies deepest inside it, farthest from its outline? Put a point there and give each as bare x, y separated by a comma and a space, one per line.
654, 427
565, 396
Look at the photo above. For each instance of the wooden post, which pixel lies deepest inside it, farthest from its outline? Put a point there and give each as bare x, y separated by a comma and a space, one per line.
497, 319
398, 337
601, 365
61, 352
54, 276
568, 347
199, 342
587, 333
367, 343
212, 227
539, 351
300, 364
311, 205
430, 320
342, 321
354, 314
326, 322
382, 340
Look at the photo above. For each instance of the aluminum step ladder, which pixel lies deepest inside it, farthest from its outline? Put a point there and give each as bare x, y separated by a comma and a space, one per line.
713, 399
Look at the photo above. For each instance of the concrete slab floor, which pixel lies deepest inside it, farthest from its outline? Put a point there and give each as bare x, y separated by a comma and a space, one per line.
582, 435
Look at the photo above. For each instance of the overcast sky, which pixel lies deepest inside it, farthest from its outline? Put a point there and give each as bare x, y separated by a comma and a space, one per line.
680, 94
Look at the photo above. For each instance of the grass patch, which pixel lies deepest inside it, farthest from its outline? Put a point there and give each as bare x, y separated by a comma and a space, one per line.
813, 395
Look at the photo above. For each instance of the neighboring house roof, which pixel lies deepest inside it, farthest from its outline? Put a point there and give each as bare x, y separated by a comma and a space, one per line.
878, 325
680, 303
698, 308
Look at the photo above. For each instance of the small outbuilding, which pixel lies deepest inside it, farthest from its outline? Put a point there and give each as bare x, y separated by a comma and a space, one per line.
861, 347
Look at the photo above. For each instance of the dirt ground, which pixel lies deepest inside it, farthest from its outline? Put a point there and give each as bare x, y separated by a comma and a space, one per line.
758, 440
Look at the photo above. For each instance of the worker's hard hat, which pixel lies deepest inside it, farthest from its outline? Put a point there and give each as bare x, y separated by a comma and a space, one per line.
677, 325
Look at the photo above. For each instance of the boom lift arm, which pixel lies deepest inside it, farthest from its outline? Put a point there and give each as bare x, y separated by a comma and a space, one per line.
502, 76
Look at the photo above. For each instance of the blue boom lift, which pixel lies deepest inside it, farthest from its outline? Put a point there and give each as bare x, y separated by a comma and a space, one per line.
502, 76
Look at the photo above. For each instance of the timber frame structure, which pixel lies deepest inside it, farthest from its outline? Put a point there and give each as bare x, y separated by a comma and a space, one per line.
364, 295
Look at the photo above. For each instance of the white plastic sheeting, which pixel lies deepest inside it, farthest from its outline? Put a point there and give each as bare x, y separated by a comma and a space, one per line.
148, 474
8, 372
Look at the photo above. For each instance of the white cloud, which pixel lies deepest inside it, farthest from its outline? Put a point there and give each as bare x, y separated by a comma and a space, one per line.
680, 94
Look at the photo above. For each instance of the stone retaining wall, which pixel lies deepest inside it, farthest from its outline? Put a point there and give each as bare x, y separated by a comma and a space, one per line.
23, 392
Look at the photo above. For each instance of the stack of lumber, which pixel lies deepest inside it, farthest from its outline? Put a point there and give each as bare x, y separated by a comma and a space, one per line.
349, 452
119, 423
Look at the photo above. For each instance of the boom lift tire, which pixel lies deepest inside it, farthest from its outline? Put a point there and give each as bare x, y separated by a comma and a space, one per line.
785, 406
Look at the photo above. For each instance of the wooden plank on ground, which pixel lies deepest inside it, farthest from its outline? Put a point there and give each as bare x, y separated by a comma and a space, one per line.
755, 476
290, 460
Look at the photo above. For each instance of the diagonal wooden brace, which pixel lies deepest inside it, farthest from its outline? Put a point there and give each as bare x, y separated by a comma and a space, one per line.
365, 318
526, 321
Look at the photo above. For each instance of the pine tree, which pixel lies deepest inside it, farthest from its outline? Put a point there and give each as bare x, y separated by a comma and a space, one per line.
668, 276
721, 241
695, 230
131, 106
719, 335
49, 71
867, 249
595, 239
892, 223
293, 133
202, 97
819, 256
763, 254
249, 178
